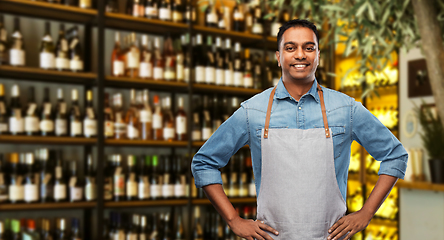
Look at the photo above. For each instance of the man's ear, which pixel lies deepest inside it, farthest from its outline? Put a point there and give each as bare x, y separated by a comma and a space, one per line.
278, 58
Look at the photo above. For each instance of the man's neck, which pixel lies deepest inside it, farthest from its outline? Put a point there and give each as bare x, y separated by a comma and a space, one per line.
297, 89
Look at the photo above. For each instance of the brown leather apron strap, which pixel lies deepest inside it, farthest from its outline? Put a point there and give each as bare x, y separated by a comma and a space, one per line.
270, 104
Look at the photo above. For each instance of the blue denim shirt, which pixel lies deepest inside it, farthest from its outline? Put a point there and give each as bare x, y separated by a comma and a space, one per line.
347, 119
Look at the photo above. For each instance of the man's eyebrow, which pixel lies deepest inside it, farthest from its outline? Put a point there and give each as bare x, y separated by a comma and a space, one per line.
306, 43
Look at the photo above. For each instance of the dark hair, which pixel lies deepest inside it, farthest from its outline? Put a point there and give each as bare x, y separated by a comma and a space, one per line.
296, 23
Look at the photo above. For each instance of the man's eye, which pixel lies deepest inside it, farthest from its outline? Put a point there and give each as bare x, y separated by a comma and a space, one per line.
310, 49
289, 48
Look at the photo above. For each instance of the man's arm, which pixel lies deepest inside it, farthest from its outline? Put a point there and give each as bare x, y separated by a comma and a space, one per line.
245, 228
358, 221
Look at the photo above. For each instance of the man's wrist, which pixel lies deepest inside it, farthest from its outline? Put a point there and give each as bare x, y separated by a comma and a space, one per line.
367, 212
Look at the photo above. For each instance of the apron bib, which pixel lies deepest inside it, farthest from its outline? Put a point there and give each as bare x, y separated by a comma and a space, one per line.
299, 195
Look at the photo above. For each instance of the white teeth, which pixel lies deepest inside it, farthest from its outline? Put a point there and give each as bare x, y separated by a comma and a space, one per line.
299, 66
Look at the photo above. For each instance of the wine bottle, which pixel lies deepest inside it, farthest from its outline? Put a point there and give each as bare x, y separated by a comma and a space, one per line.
143, 178
143, 233
155, 179
61, 118
46, 175
31, 182
238, 18
75, 184
242, 176
157, 120
165, 10
257, 72
155, 233
30, 232
3, 111
199, 60
159, 61
176, 11
216, 114
181, 121
133, 229
169, 128
196, 134
17, 47
180, 232
47, 58
151, 11
132, 118
117, 58
3, 43
90, 119
112, 6
210, 70
108, 117
211, 16
169, 73
3, 183
131, 179
181, 62
179, 178
75, 229
219, 63
198, 231
75, 119
90, 180
45, 231
15, 230
167, 178
135, 8
61, 229
190, 12
31, 119
238, 71
119, 117
228, 63
118, 179
61, 51
247, 74
46, 115
233, 180
15, 187
146, 59
133, 58
75, 51
146, 117
167, 231
257, 26
250, 176
248, 14
16, 121
60, 188
207, 125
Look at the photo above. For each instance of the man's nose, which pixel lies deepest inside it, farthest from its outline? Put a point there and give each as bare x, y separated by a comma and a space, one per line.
299, 54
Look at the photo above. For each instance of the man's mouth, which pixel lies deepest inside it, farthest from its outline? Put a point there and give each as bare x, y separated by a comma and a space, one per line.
299, 66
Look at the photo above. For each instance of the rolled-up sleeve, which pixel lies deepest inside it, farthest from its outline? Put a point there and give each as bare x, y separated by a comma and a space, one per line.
218, 149
379, 142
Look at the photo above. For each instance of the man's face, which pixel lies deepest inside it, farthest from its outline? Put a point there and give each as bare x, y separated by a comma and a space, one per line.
298, 54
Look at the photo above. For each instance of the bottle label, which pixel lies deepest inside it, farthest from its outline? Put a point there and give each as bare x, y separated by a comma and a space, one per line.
31, 193
16, 125
85, 3
179, 188
60, 191
47, 60
158, 73
238, 15
132, 132
131, 236
248, 81
145, 116
144, 189
212, 17
118, 68
257, 28
220, 76
109, 129
167, 190
209, 75
186, 74
169, 74
181, 125
62, 63
90, 127
119, 183
133, 58
200, 74
228, 77
252, 190
142, 236
275, 29
131, 188
76, 65
249, 21
157, 121
76, 128
238, 79
45, 188
61, 127
155, 190
16, 192
90, 192
108, 189
165, 14
168, 133
243, 190
31, 124
196, 135
75, 193
16, 57
120, 128
46, 125
206, 133
177, 16
146, 70
180, 72
151, 11
2, 108
3, 127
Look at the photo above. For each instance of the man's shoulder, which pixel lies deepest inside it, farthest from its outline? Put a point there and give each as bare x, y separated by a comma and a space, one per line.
258, 101
336, 97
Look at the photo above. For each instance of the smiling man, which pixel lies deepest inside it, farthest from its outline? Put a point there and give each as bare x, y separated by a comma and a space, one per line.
300, 136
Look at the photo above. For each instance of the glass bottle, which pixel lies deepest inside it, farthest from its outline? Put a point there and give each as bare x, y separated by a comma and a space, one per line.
146, 59
3, 183
248, 75
190, 12
151, 11
108, 179
3, 43
17, 47
45, 231
61, 229
143, 178
196, 134
47, 58
61, 118
31, 119
257, 72
75, 229
159, 61
131, 179
46, 115
216, 114
176, 11
143, 234
257, 26
3, 112
112, 6
199, 60
168, 121
119, 117
157, 120
46, 175
211, 16
181, 121
75, 119
165, 10
207, 126
180, 232
108, 118
75, 51
31, 183
132, 118
179, 178
228, 63
117, 61
237, 66
210, 71
61, 51
60, 188
16, 120
90, 180
198, 231
238, 18
168, 181
90, 119
146, 117
155, 179
219, 59
16, 189
30, 232
118, 179
180, 60
133, 58
133, 230
169, 73
75, 184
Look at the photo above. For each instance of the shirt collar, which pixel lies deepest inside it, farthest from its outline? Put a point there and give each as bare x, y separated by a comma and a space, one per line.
282, 93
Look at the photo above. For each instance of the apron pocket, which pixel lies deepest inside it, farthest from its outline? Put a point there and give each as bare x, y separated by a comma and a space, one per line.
299, 231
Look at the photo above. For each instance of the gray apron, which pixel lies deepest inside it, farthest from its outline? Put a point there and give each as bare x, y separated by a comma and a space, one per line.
299, 195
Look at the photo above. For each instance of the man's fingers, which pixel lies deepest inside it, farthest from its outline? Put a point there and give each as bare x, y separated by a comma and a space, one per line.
258, 237
339, 222
336, 231
265, 227
350, 235
264, 235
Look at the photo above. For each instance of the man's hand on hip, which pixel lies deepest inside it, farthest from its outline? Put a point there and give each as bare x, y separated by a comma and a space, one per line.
351, 224
250, 229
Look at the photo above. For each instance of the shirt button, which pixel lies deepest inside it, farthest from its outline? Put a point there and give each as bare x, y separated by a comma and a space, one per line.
300, 108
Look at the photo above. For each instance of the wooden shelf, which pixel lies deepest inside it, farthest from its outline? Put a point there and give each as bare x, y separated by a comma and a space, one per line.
140, 24
207, 88
148, 143
255, 41
42, 75
47, 140
205, 201
46, 206
420, 186
384, 222
48, 10
147, 203
272, 43
127, 82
